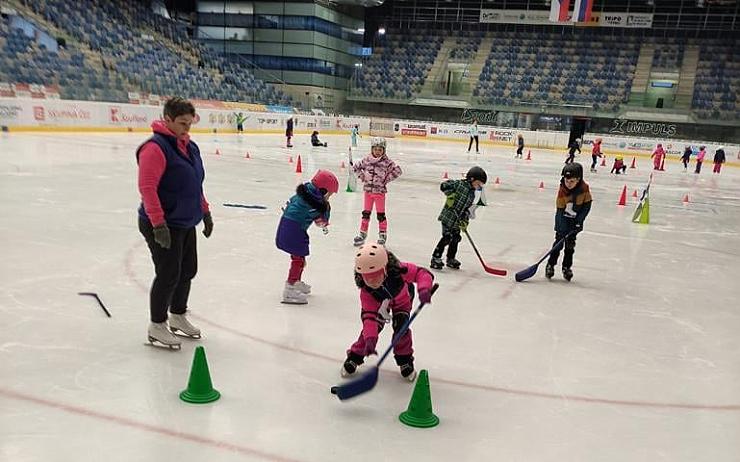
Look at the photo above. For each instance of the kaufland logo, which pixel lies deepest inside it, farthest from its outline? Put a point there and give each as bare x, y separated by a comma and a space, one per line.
118, 116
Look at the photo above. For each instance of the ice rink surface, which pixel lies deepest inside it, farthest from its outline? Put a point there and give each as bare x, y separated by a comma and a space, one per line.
636, 359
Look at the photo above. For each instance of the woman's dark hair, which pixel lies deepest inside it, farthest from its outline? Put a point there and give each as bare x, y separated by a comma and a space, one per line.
392, 270
175, 107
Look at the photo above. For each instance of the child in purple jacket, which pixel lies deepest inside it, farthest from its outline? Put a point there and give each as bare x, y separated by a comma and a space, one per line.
375, 171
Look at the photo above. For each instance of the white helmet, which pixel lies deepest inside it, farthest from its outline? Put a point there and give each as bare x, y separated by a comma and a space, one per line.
378, 141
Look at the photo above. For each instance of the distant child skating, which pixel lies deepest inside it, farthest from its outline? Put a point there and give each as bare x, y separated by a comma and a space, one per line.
354, 134
574, 146
310, 204
686, 157
595, 154
519, 146
288, 132
658, 157
463, 196
719, 159
474, 136
375, 170
573, 203
386, 295
619, 166
700, 158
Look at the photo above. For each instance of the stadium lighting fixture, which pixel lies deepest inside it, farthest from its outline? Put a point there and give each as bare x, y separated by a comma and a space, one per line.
361, 30
381, 31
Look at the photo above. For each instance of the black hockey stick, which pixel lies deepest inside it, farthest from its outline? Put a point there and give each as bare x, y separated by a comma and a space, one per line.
100, 302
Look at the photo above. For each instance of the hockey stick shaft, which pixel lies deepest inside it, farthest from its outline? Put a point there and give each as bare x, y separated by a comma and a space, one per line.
488, 269
404, 328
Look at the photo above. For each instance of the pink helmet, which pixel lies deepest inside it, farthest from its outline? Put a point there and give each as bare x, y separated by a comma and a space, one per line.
324, 179
370, 258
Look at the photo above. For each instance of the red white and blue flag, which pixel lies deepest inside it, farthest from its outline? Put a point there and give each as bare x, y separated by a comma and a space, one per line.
582, 10
559, 10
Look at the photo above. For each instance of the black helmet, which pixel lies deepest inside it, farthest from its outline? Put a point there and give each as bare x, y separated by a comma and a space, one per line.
476, 173
572, 170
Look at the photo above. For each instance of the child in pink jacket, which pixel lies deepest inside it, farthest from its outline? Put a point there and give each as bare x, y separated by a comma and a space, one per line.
375, 171
700, 159
386, 295
658, 156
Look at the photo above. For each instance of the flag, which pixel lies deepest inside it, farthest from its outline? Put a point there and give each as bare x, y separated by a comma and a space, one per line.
559, 10
582, 10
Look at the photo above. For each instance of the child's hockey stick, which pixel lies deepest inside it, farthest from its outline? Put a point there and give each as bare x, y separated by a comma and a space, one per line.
367, 380
532, 270
488, 269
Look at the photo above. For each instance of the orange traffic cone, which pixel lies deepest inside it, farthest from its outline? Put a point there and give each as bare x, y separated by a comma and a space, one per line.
529, 154
542, 185
497, 181
298, 167
445, 176
623, 196
218, 152
246, 156
603, 161
634, 193
686, 199
634, 163
290, 159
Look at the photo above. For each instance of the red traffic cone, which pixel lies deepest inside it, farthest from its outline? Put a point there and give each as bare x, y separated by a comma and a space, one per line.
218, 152
542, 185
686, 199
497, 181
634, 162
529, 154
445, 176
623, 196
634, 193
298, 167
246, 156
342, 166
603, 161
290, 159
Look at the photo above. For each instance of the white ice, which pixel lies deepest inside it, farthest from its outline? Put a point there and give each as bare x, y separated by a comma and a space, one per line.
636, 359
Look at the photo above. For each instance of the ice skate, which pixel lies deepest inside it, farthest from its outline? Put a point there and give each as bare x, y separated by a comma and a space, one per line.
292, 295
382, 237
408, 372
567, 274
180, 323
436, 263
453, 263
360, 238
303, 287
160, 334
549, 271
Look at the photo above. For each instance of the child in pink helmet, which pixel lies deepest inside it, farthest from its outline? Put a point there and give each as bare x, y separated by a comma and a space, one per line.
310, 204
386, 294
375, 171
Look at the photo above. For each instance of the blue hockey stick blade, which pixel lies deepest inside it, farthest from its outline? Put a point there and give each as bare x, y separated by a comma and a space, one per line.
358, 386
526, 273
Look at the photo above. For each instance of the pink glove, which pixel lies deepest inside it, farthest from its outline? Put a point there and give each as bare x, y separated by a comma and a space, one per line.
370, 343
425, 295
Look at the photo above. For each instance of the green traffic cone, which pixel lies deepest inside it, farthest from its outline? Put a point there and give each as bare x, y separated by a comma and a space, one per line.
645, 215
419, 413
200, 389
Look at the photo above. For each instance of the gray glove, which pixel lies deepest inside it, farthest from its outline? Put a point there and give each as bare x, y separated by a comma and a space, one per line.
162, 236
